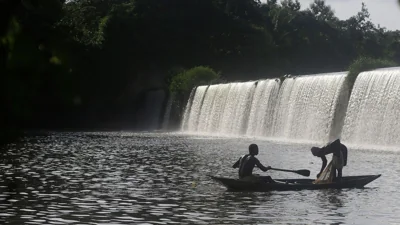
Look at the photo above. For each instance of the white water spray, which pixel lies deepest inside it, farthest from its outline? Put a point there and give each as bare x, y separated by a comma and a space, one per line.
306, 106
373, 116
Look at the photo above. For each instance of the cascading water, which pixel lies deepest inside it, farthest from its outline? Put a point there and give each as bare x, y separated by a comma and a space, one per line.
307, 106
312, 108
235, 115
167, 113
373, 116
340, 112
185, 122
213, 107
219, 109
230, 108
262, 108
191, 120
206, 108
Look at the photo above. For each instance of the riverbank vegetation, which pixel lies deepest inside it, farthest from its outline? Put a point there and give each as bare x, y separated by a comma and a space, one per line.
185, 81
365, 64
79, 63
181, 85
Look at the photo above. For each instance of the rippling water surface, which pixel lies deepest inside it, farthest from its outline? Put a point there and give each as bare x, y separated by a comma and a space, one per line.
154, 178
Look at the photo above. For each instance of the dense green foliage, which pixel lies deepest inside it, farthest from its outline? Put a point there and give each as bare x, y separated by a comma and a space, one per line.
364, 64
79, 62
35, 74
182, 83
188, 79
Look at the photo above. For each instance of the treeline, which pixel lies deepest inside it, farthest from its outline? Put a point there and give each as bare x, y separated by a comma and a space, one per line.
82, 62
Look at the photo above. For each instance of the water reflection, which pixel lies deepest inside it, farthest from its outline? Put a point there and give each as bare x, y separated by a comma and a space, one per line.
125, 178
332, 196
332, 201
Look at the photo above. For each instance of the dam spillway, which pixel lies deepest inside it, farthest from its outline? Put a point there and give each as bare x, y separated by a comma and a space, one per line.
299, 108
317, 108
373, 115
307, 107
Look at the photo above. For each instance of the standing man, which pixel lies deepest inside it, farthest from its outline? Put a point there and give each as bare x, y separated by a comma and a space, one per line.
339, 160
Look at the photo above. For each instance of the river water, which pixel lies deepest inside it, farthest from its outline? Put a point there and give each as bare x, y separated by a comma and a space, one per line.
155, 178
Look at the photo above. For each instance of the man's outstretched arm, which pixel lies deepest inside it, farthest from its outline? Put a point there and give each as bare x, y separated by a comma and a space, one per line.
261, 166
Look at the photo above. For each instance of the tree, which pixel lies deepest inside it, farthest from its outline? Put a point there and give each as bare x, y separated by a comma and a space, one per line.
104, 54
364, 64
322, 12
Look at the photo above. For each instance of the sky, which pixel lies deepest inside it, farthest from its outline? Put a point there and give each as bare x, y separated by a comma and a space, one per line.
383, 12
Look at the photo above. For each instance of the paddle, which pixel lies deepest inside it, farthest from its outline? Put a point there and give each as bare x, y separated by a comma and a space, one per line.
305, 173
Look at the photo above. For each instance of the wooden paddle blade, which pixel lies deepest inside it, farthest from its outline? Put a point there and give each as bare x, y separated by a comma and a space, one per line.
305, 173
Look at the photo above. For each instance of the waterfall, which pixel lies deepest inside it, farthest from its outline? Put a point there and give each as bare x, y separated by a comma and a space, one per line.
304, 108
195, 109
307, 105
184, 123
218, 108
234, 117
373, 116
262, 108
167, 113
314, 108
234, 108
206, 108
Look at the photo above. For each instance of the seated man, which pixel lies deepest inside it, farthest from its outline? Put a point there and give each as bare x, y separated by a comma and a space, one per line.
339, 159
247, 163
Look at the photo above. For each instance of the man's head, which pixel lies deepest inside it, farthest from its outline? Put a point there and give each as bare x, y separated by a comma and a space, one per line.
253, 149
